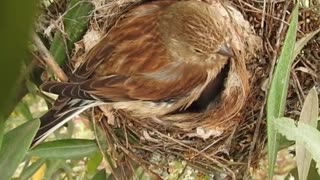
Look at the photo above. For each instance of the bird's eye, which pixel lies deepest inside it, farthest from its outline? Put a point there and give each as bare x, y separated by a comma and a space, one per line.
198, 51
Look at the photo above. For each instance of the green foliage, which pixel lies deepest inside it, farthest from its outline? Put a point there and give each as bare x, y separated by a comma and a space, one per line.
101, 175
16, 24
75, 23
303, 133
277, 96
15, 145
309, 115
24, 110
17, 20
61, 155
32, 169
65, 149
93, 163
278, 90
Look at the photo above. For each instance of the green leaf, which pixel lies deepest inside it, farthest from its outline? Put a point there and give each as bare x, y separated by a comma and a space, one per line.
52, 167
33, 168
75, 23
278, 90
93, 163
65, 149
309, 115
101, 175
298, 47
303, 133
16, 24
313, 174
302, 42
103, 143
15, 145
23, 108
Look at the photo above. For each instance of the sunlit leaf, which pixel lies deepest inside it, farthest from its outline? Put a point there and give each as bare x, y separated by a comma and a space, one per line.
308, 116
303, 133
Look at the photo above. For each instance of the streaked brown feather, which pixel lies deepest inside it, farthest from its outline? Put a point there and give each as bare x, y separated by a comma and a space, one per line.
145, 63
138, 62
66, 90
164, 84
123, 45
169, 82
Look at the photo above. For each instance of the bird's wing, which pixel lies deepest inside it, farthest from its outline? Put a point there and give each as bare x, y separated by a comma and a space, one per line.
120, 46
167, 83
133, 40
132, 63
122, 66
64, 109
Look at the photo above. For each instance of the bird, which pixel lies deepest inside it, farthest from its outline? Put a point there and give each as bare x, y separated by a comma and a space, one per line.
159, 58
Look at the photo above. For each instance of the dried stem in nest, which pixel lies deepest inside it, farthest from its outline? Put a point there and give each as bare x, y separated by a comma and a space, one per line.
49, 60
174, 132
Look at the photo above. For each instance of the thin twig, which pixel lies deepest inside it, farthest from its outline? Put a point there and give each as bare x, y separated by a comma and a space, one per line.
48, 58
263, 17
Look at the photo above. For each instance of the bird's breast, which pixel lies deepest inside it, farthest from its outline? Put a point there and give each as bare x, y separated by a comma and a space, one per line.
145, 108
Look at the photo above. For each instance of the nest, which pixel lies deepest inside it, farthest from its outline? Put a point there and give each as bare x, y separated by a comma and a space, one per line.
231, 136
203, 138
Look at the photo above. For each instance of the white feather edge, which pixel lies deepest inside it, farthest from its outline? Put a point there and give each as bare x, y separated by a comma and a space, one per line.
45, 135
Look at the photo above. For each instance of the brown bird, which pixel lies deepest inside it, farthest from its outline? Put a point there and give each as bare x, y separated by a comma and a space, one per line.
159, 58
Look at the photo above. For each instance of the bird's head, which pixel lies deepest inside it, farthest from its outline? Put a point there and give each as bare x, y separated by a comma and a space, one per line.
193, 31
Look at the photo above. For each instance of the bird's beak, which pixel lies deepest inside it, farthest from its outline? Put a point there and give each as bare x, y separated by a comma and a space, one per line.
225, 50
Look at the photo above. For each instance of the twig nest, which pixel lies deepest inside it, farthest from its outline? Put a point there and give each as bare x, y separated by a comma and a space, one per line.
183, 133
220, 116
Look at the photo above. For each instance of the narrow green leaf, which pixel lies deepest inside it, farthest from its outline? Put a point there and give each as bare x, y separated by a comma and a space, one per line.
304, 133
75, 23
308, 116
15, 145
33, 168
65, 149
278, 90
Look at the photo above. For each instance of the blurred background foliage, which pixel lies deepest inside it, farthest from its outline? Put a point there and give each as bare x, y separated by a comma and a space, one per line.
77, 157
17, 22
19, 94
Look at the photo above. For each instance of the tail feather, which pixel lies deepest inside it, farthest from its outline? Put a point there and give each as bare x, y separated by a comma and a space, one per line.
64, 110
